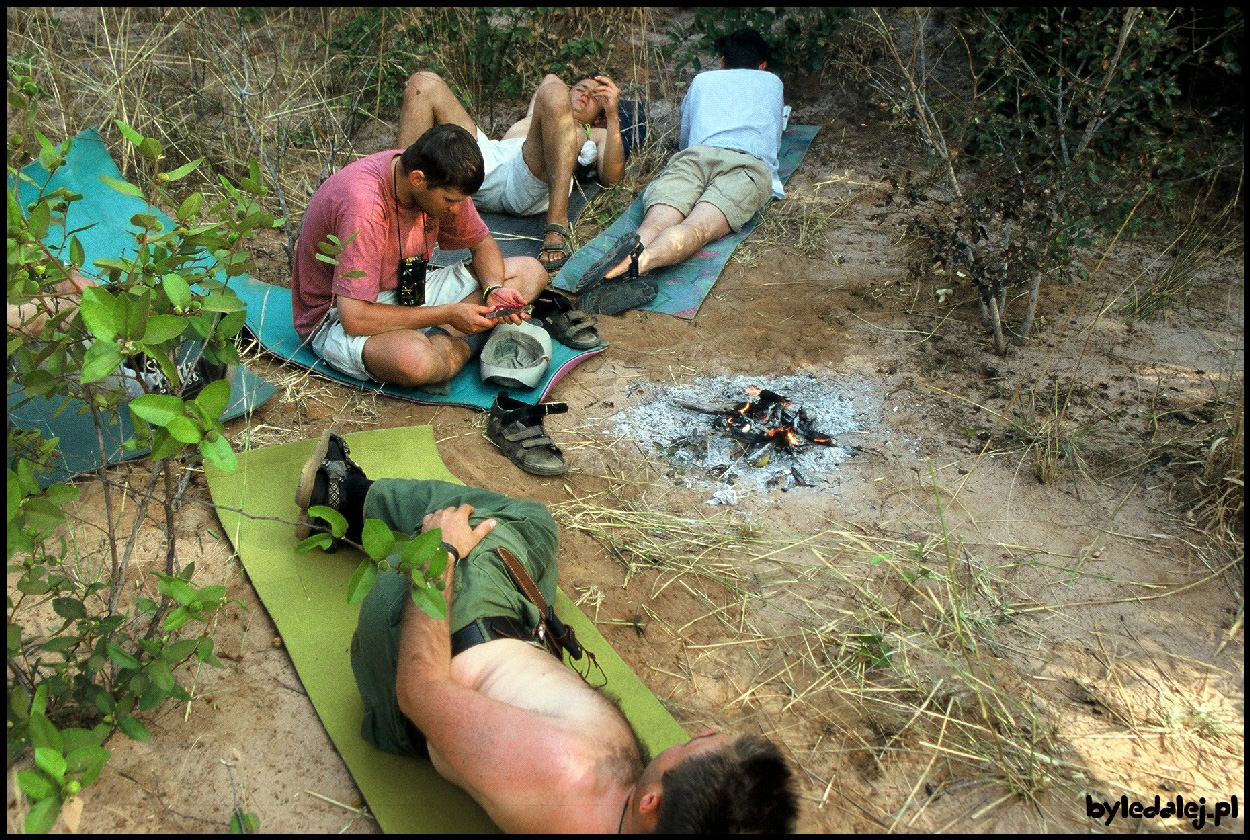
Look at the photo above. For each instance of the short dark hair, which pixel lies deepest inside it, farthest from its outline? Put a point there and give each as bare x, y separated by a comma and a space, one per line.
449, 157
744, 49
746, 788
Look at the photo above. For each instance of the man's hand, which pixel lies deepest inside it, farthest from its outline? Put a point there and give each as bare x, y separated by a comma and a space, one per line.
505, 297
470, 318
454, 522
607, 95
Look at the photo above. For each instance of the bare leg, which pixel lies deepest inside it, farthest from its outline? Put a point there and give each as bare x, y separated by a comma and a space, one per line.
412, 358
669, 238
550, 149
30, 318
428, 102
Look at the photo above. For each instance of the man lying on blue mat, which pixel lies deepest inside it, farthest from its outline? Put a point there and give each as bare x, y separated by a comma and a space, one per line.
483, 698
374, 311
726, 170
530, 170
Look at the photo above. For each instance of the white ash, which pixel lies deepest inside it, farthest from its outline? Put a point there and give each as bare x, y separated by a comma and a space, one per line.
704, 452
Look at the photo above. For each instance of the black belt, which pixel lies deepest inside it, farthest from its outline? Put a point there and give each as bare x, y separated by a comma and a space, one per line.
485, 630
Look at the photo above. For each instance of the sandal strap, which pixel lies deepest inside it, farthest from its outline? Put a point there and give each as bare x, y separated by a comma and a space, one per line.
560, 229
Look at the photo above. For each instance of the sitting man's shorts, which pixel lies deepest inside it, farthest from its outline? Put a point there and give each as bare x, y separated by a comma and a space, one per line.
345, 353
509, 186
736, 183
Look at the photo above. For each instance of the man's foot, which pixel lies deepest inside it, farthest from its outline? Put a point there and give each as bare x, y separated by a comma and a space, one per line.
556, 249
323, 481
617, 252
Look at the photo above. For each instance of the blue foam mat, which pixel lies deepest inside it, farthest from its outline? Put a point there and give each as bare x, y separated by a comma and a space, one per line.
269, 319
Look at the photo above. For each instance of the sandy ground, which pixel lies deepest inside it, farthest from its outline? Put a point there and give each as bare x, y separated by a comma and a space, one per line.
937, 639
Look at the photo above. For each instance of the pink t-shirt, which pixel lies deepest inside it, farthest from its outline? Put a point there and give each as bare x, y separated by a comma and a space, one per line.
360, 199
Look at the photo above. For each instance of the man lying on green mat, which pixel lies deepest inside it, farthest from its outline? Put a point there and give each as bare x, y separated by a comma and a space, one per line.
373, 311
725, 172
534, 744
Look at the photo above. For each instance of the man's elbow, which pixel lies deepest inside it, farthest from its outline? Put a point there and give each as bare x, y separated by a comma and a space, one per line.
354, 319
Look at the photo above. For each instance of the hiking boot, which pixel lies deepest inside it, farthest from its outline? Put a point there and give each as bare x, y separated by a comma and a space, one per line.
517, 429
323, 481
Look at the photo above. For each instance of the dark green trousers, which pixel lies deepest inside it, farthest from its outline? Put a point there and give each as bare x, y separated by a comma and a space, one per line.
481, 589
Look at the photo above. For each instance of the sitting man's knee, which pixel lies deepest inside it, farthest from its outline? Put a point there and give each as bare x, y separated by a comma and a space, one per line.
423, 82
439, 359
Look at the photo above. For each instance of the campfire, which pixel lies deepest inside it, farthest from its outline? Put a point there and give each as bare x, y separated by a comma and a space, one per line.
754, 438
770, 420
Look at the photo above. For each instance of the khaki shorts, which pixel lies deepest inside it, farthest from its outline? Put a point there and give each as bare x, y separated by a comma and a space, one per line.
345, 353
736, 183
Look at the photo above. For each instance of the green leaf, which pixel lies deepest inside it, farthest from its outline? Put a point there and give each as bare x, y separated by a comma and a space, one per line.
430, 600
319, 540
161, 676
222, 303
214, 398
150, 149
377, 539
161, 328
184, 170
87, 762
158, 409
176, 619
101, 312
100, 360
183, 430
42, 732
121, 657
123, 187
132, 727
244, 822
362, 582
338, 524
70, 608
178, 291
129, 133
179, 650
216, 450
43, 815
422, 547
36, 785
51, 762
178, 589
191, 207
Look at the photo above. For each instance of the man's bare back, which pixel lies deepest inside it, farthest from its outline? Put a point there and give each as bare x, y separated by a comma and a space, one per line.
536, 747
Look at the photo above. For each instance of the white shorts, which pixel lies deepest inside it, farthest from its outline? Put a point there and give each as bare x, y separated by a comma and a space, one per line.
345, 353
509, 186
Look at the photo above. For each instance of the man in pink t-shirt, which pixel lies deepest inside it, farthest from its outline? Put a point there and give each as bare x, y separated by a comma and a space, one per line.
390, 207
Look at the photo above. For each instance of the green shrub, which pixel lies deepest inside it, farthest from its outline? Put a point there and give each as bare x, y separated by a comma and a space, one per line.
83, 663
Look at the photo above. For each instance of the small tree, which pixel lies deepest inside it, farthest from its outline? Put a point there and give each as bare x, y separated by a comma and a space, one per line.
101, 662
1050, 127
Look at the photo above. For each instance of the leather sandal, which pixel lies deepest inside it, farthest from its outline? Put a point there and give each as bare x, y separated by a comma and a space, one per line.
563, 249
619, 294
567, 325
619, 250
517, 428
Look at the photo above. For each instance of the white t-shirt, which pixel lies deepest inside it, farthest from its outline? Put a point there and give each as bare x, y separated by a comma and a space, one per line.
737, 109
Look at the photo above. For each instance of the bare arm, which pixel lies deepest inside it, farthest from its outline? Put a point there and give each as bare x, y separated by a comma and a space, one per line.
611, 164
508, 757
363, 317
